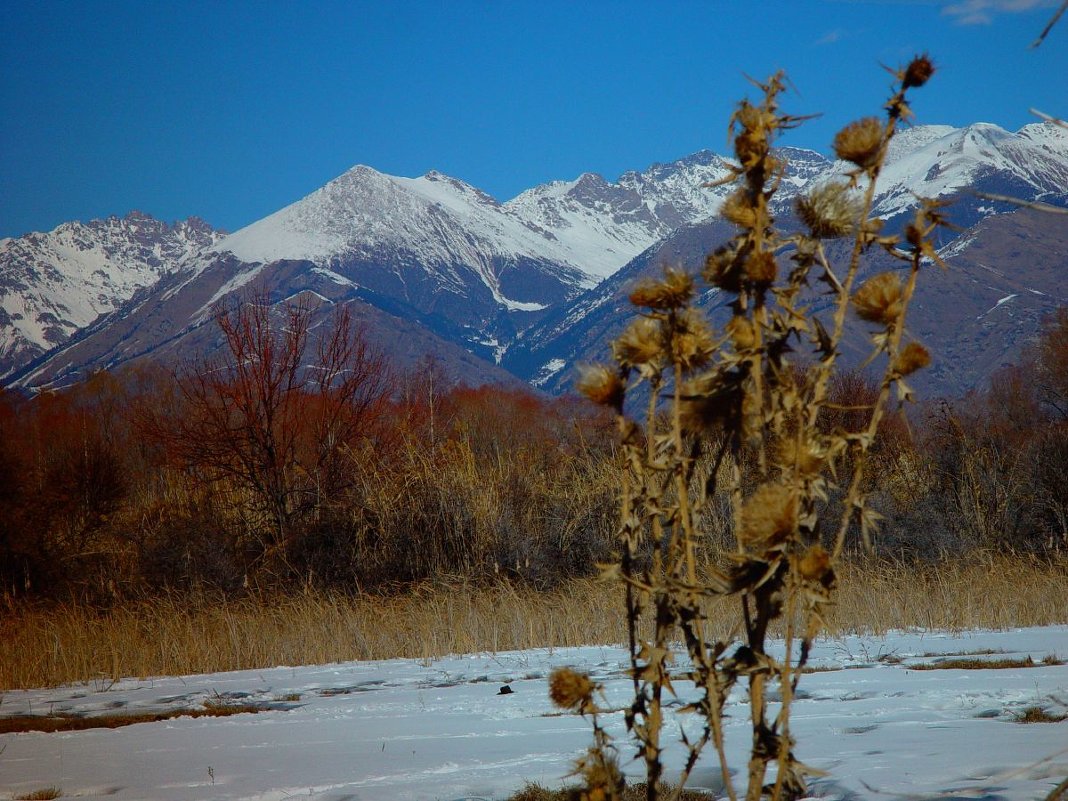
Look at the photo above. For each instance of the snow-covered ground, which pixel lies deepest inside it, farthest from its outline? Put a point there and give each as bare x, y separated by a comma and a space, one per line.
408, 729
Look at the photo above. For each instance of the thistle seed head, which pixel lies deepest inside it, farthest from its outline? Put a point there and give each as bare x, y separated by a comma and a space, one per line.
570, 689
602, 777
815, 564
829, 211
738, 209
860, 142
880, 299
912, 357
761, 268
601, 385
749, 148
722, 269
741, 332
769, 516
753, 118
642, 343
691, 341
918, 72
806, 458
673, 291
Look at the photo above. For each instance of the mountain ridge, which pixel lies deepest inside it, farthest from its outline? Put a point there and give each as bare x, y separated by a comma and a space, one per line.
493, 277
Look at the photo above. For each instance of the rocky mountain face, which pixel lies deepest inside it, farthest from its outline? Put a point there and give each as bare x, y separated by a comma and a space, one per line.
55, 284
1008, 267
1005, 275
939, 161
539, 283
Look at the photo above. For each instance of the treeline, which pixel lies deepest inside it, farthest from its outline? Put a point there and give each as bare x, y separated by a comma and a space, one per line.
298, 460
293, 460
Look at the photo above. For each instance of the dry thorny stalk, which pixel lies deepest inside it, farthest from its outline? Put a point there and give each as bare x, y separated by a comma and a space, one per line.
731, 412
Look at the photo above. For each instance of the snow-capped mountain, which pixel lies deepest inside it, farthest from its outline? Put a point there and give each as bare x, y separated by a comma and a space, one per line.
431, 247
536, 283
54, 284
939, 161
601, 225
439, 225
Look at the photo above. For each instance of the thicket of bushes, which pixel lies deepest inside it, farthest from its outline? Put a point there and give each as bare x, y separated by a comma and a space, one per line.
121, 487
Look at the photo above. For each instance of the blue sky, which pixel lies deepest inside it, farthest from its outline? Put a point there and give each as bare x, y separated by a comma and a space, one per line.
231, 110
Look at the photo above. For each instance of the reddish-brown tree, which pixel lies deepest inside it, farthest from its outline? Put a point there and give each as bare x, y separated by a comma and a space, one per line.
276, 417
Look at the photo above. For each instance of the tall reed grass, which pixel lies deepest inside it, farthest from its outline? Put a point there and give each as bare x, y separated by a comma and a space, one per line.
67, 643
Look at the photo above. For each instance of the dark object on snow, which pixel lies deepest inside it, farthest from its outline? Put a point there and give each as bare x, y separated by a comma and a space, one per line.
505, 690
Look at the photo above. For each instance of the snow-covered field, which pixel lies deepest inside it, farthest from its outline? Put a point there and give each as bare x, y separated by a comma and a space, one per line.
405, 729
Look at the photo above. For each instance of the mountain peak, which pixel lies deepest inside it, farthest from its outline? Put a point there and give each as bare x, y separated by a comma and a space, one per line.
359, 170
440, 181
138, 216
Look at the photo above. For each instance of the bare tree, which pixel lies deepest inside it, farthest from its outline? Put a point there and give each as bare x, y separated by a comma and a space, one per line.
271, 422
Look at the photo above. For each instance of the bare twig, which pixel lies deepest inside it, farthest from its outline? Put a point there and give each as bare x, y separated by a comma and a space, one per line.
1026, 204
1048, 118
1049, 25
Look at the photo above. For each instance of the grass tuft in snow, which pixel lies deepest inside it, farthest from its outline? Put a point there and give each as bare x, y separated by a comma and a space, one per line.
1036, 714
43, 794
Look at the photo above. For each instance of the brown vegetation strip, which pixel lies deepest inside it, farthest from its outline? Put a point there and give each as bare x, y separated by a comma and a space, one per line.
175, 636
53, 723
983, 664
633, 792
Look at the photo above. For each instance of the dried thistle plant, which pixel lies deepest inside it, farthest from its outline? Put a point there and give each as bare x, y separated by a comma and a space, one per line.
737, 412
599, 766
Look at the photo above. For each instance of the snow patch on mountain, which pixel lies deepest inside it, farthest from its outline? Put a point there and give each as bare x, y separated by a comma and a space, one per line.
337, 279
235, 284
547, 371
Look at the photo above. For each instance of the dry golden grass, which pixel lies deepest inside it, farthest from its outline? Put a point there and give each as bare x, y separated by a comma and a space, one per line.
71, 643
994, 591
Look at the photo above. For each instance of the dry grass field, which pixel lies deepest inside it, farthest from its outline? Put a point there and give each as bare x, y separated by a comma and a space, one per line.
71, 643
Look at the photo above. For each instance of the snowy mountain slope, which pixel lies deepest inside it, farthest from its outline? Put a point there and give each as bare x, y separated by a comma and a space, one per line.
173, 325
1006, 273
938, 161
934, 161
54, 284
438, 223
602, 225
581, 330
